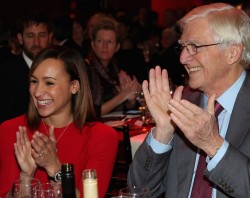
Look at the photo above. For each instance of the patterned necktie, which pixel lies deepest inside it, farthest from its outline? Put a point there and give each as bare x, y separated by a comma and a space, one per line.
202, 187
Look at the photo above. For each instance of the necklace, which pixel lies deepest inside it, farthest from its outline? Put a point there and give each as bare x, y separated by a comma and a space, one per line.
61, 133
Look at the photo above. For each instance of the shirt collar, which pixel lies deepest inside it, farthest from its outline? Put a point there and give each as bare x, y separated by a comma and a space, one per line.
227, 99
27, 60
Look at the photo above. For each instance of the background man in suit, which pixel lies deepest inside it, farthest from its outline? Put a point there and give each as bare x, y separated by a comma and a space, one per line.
215, 50
34, 34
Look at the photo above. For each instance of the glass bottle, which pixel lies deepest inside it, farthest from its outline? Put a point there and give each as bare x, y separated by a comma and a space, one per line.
68, 181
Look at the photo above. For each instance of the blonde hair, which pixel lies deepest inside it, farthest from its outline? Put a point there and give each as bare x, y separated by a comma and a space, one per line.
107, 23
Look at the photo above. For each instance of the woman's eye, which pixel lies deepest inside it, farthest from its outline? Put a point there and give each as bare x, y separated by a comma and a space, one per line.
49, 83
33, 81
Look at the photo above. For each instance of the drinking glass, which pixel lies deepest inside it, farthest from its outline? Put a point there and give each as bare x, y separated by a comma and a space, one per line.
48, 190
171, 86
143, 108
135, 192
24, 187
140, 98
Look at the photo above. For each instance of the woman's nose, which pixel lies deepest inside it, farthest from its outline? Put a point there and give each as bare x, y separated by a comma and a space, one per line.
39, 90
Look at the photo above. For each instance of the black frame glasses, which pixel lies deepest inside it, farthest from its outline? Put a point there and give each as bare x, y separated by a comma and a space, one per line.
191, 47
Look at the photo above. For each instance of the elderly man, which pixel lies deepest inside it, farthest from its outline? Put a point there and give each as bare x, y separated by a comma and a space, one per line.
215, 50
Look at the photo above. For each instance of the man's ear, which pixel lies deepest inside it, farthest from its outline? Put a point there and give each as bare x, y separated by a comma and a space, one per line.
51, 34
118, 47
234, 53
20, 38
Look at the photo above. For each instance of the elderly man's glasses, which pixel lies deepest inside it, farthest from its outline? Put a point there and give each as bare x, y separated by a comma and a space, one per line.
191, 47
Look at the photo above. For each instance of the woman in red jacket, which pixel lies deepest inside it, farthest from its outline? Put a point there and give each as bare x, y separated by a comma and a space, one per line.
59, 127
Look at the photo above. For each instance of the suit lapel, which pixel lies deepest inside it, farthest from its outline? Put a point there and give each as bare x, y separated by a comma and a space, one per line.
240, 119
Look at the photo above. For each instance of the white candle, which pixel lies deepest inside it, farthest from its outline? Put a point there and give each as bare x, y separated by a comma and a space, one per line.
90, 188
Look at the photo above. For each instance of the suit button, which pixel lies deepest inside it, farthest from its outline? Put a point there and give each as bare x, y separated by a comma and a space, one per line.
220, 181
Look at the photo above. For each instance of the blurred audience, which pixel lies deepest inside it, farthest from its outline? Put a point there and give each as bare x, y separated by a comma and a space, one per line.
129, 57
78, 32
124, 26
168, 37
63, 33
5, 50
14, 45
168, 59
170, 18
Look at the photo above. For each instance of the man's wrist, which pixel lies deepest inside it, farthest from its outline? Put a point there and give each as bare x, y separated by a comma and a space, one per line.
214, 151
214, 147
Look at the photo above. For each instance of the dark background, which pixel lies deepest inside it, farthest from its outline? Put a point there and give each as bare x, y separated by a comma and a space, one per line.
11, 10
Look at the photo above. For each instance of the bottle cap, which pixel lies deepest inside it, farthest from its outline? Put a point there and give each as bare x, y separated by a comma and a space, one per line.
67, 168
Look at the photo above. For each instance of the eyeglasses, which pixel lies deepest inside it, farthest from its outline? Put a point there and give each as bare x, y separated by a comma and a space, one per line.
191, 47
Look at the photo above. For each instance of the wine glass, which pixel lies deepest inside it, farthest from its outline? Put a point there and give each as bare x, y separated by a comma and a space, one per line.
24, 187
135, 192
171, 86
48, 190
143, 108
140, 98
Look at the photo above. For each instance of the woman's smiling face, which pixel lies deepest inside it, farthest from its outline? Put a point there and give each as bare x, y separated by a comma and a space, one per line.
51, 89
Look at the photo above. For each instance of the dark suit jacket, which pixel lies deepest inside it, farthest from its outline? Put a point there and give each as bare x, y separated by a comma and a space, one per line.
14, 86
5, 55
172, 171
